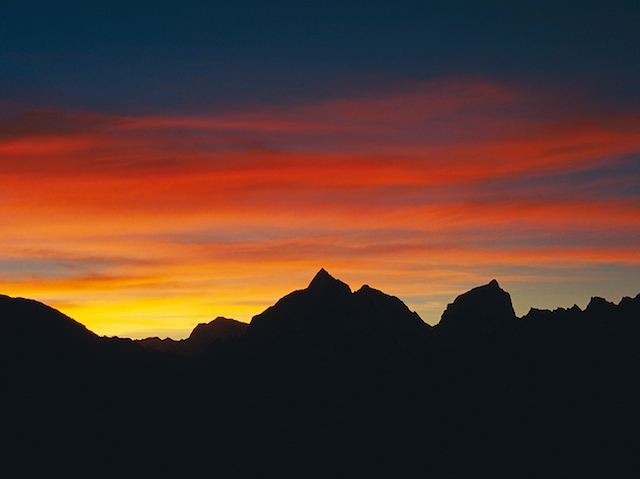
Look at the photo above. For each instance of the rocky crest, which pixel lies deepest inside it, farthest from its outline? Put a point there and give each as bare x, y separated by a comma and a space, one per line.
200, 338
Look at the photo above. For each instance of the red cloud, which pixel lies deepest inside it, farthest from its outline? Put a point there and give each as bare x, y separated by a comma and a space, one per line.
398, 180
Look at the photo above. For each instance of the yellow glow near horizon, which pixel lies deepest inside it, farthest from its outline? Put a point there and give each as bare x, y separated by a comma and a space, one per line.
149, 225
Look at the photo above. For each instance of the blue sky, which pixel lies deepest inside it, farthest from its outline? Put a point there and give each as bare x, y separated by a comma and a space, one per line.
203, 56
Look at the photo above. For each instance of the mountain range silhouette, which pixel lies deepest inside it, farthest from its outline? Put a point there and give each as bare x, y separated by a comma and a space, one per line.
328, 383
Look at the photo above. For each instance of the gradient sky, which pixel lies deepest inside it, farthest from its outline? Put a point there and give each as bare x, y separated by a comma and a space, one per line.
162, 164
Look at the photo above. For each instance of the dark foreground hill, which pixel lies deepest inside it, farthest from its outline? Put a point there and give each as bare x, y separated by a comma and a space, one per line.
328, 383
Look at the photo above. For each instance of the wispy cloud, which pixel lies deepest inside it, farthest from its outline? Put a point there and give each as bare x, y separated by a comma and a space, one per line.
448, 175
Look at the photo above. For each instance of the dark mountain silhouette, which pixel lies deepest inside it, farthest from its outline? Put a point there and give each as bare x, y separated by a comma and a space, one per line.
32, 333
33, 326
328, 383
327, 320
201, 338
484, 307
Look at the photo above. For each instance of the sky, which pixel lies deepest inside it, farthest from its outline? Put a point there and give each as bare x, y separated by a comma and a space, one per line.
165, 163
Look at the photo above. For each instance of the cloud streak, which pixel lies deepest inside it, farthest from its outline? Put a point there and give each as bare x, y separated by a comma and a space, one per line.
243, 206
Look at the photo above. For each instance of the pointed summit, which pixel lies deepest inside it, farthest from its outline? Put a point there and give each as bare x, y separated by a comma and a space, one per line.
322, 276
323, 281
327, 320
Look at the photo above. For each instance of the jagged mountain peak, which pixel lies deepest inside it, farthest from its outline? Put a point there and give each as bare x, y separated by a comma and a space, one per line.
600, 307
328, 316
484, 306
323, 281
597, 300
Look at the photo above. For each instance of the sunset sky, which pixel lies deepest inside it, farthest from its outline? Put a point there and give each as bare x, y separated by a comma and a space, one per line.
163, 163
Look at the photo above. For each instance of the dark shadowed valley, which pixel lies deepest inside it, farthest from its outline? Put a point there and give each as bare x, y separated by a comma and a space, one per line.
328, 383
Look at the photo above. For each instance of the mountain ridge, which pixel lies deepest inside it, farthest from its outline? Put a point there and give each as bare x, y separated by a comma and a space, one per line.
481, 304
329, 382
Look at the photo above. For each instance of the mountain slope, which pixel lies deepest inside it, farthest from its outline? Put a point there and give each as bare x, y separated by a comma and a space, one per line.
30, 328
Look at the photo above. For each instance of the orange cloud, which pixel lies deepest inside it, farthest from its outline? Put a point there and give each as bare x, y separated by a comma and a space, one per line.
450, 175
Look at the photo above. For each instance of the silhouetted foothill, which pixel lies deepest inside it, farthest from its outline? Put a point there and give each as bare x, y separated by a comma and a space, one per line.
203, 336
29, 327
